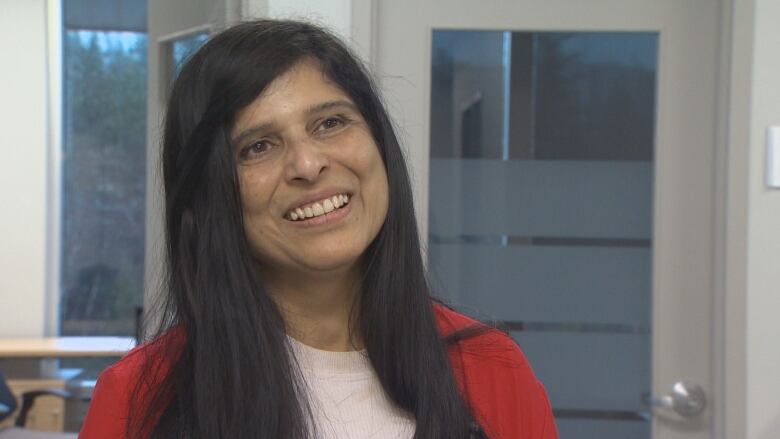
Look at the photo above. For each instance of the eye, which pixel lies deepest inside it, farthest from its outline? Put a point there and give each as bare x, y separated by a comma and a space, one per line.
255, 149
332, 123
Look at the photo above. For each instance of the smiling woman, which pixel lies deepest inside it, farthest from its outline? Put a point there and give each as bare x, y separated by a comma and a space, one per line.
297, 303
303, 146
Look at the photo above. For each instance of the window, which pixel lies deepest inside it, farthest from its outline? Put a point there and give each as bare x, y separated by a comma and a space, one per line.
103, 181
103, 166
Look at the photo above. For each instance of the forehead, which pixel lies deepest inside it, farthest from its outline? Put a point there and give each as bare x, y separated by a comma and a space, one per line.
288, 96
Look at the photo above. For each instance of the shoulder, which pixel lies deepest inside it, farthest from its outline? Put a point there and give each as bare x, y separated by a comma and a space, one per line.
496, 379
154, 356
480, 346
128, 384
479, 342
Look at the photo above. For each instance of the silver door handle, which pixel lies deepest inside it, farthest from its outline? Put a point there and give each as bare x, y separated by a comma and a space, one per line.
687, 399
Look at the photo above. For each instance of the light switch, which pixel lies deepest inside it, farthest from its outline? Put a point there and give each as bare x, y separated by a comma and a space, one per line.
773, 157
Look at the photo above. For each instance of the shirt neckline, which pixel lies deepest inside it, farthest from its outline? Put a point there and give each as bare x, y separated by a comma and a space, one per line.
330, 362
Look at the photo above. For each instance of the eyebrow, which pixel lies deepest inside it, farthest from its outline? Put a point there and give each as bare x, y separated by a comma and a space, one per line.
314, 109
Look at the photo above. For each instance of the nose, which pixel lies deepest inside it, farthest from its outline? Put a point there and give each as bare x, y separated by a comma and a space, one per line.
306, 161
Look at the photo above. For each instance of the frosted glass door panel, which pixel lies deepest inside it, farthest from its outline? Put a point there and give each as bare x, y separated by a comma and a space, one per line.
539, 197
598, 371
535, 283
541, 208
600, 429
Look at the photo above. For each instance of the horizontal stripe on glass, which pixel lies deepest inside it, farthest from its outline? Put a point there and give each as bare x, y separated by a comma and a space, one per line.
614, 415
505, 240
604, 328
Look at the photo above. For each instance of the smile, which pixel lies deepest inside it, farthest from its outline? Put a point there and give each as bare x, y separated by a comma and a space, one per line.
318, 208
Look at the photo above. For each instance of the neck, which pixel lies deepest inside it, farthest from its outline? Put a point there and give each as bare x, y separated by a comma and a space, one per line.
319, 309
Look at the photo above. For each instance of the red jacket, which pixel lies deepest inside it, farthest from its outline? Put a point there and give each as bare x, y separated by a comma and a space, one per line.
492, 373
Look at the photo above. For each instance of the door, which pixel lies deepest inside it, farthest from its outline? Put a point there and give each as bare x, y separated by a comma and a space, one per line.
562, 154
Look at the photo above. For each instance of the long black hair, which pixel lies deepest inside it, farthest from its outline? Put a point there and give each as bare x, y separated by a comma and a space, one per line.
233, 376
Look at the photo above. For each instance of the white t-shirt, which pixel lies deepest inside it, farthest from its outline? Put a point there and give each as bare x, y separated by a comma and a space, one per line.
346, 398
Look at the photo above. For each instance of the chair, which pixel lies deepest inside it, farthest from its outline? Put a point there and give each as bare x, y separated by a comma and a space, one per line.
8, 405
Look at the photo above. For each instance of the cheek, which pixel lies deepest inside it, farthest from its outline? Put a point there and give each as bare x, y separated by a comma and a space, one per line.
376, 177
255, 194
257, 187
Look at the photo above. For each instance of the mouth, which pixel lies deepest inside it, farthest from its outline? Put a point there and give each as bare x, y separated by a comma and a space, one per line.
317, 208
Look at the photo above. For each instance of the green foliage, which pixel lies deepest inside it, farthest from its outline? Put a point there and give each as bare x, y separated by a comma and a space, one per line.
106, 90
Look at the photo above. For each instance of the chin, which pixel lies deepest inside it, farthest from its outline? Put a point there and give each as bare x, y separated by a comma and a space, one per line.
331, 263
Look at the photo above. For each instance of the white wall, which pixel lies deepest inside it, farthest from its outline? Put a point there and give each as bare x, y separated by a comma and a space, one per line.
763, 274
335, 14
23, 167
350, 19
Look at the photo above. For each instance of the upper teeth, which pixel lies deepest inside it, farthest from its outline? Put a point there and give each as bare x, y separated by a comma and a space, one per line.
319, 208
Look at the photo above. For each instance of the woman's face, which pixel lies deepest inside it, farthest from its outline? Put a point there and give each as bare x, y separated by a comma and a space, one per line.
313, 185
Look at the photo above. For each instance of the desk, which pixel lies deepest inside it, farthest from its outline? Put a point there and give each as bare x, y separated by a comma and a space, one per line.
37, 368
65, 347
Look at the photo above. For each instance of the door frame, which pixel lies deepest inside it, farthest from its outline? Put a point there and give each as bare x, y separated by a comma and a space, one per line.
728, 396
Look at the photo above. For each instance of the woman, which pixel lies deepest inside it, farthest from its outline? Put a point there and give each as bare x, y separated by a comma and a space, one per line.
297, 301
